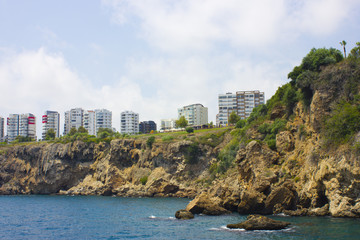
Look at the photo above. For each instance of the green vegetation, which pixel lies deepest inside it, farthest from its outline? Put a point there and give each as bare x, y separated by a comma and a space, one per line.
20, 139
150, 141
227, 156
167, 138
343, 122
144, 180
192, 153
189, 130
181, 122
50, 134
233, 118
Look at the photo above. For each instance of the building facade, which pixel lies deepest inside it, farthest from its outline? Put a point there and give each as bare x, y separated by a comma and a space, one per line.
2, 129
242, 102
21, 125
129, 122
51, 120
103, 119
147, 126
195, 114
89, 122
168, 124
73, 118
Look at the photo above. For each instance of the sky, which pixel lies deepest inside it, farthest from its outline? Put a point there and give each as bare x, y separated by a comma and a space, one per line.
155, 56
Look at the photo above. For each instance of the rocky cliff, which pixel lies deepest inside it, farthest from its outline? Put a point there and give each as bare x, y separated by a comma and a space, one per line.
236, 169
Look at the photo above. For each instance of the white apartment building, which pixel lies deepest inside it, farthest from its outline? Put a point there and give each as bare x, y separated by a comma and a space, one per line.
2, 129
73, 118
95, 119
103, 119
243, 103
195, 114
168, 124
129, 122
21, 125
51, 120
89, 122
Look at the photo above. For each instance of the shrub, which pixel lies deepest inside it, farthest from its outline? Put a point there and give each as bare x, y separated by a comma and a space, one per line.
192, 153
167, 138
227, 156
189, 130
343, 123
150, 141
144, 180
240, 124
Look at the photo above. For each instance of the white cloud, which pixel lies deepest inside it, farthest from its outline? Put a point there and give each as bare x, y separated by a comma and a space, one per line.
175, 26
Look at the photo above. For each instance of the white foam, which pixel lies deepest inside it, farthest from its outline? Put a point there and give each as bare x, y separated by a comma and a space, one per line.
152, 216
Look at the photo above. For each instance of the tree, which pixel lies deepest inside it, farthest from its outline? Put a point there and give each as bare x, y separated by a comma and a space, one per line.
181, 122
105, 132
233, 118
150, 141
355, 52
50, 134
81, 129
73, 131
343, 43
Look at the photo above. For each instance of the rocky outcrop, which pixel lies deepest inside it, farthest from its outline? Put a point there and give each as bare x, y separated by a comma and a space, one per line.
258, 222
184, 214
206, 205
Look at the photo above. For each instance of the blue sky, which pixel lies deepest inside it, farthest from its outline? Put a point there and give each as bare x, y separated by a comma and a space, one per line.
154, 56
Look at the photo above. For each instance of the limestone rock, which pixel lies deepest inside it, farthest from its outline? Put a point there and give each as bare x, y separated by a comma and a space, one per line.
284, 195
184, 214
206, 205
285, 141
258, 222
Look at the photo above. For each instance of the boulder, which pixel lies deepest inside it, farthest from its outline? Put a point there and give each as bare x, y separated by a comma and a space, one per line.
251, 202
206, 205
184, 214
283, 196
285, 141
258, 222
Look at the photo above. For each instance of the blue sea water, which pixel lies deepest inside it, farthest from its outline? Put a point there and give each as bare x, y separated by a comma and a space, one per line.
96, 217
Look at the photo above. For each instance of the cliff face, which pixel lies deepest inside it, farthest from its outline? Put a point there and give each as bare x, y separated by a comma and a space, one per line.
301, 177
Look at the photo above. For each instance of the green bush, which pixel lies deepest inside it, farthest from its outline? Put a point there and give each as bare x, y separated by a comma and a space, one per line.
271, 144
227, 156
150, 141
192, 153
240, 124
189, 130
144, 180
343, 123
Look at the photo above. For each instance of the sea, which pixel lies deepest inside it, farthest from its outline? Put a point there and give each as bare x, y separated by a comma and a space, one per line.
100, 217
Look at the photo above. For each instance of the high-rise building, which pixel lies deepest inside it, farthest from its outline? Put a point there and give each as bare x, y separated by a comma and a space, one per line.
73, 118
21, 125
168, 124
129, 122
103, 119
195, 114
147, 126
242, 103
2, 130
89, 122
51, 120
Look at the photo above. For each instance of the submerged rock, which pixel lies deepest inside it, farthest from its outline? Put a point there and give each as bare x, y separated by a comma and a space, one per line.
258, 222
184, 214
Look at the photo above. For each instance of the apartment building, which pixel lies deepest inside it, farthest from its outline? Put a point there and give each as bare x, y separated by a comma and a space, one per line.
242, 102
195, 114
21, 125
2, 129
168, 124
89, 122
103, 119
129, 122
147, 126
73, 118
50, 120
